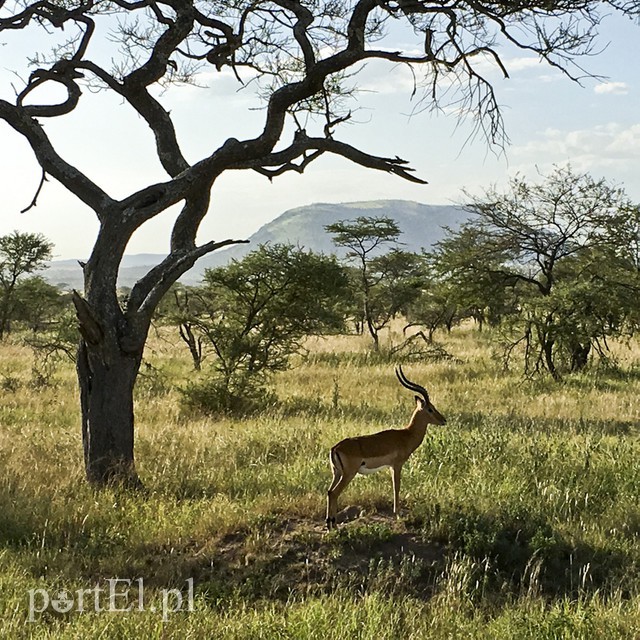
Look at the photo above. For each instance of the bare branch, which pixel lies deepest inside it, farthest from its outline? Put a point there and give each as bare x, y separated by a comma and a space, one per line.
62, 73
283, 160
305, 18
34, 202
149, 290
156, 116
52, 163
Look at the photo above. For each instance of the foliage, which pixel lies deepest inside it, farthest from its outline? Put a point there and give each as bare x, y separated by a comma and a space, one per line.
435, 308
240, 396
365, 236
180, 306
20, 254
37, 303
53, 345
384, 283
484, 294
254, 315
554, 261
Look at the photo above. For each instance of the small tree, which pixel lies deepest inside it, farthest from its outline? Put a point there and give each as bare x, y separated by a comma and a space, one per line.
594, 297
37, 303
397, 278
180, 307
20, 254
484, 294
255, 314
435, 307
384, 283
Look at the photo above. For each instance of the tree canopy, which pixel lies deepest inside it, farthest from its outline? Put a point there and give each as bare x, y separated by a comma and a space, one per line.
254, 314
556, 260
385, 279
20, 254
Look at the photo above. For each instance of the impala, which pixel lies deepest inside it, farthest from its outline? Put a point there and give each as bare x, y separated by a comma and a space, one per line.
389, 448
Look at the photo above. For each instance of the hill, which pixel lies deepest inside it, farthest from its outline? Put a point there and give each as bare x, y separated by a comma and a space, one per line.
422, 225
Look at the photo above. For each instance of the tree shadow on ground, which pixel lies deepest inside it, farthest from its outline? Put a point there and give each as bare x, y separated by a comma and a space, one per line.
500, 555
284, 558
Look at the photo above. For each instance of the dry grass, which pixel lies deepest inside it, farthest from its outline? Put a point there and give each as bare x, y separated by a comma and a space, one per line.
520, 517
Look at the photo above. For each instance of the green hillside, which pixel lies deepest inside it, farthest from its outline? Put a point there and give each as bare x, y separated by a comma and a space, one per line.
422, 225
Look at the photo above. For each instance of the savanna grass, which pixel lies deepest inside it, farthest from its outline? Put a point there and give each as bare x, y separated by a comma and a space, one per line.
520, 517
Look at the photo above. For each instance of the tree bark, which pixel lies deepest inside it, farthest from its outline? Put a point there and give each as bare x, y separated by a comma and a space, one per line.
108, 361
373, 332
194, 344
580, 356
547, 347
5, 308
106, 382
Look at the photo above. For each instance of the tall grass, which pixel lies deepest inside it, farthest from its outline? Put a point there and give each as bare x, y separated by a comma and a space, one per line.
520, 517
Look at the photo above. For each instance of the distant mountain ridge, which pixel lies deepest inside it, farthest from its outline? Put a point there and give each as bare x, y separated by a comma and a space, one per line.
422, 226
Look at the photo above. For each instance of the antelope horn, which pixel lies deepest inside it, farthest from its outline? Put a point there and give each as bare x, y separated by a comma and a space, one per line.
405, 382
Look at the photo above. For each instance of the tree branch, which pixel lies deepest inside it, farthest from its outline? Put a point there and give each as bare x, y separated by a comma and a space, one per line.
63, 73
148, 291
154, 114
305, 18
51, 162
34, 202
283, 160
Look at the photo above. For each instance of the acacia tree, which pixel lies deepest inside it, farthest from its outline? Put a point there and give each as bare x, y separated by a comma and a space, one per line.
468, 272
561, 250
179, 308
254, 315
38, 303
302, 51
375, 274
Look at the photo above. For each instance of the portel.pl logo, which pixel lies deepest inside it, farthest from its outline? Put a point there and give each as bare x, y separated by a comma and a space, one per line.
117, 595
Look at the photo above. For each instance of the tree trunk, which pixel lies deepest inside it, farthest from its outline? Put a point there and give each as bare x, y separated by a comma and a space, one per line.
374, 335
106, 400
194, 344
4, 314
107, 365
580, 356
547, 347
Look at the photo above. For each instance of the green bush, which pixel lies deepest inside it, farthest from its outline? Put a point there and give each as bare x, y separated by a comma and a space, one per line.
214, 395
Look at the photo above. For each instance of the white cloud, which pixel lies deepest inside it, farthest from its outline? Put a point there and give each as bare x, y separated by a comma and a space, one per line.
611, 149
607, 142
613, 88
520, 64
383, 78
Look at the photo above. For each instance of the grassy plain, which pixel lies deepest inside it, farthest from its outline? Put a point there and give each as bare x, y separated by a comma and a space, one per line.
520, 518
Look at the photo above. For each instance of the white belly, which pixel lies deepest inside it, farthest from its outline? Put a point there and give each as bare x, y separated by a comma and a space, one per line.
365, 471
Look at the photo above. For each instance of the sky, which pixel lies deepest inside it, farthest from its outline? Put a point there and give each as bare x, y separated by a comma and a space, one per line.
549, 119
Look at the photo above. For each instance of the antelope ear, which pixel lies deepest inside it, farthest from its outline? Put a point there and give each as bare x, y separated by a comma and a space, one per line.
420, 401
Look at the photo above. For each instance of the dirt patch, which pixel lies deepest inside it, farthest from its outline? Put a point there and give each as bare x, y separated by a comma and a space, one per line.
284, 557
297, 556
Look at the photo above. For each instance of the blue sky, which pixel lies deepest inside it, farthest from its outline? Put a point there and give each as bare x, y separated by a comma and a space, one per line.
549, 119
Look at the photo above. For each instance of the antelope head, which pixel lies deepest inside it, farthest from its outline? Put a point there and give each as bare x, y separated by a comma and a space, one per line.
425, 411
